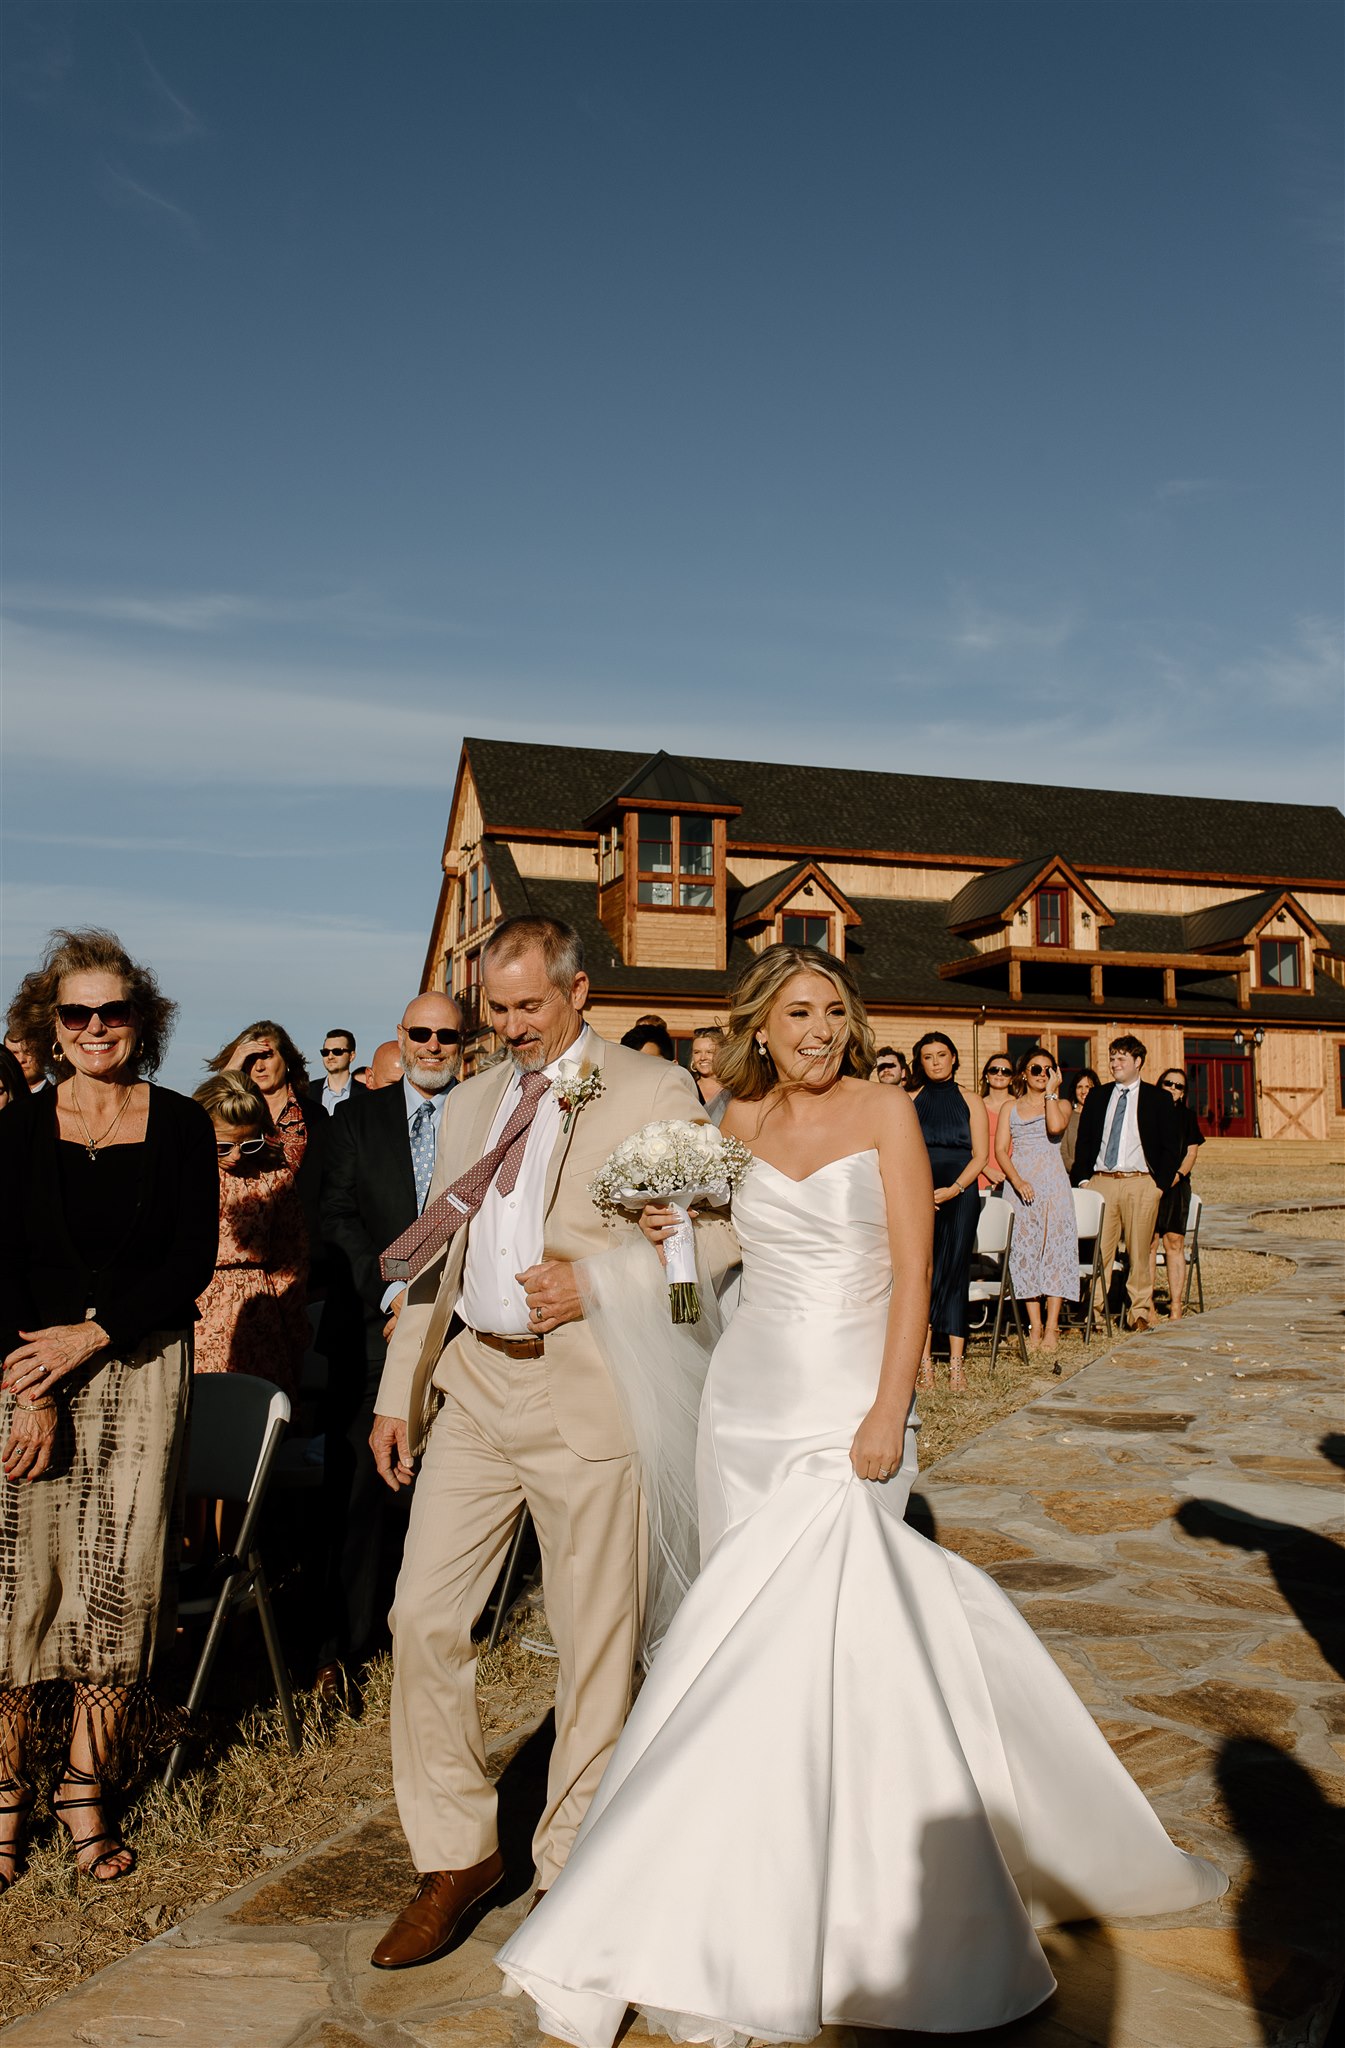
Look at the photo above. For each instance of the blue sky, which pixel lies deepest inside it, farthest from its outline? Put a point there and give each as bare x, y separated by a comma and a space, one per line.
943, 387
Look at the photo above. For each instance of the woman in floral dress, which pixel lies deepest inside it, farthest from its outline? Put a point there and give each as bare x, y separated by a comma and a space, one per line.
253, 1315
1044, 1257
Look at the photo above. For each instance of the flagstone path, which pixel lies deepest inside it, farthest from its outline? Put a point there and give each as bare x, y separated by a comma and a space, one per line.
1170, 1521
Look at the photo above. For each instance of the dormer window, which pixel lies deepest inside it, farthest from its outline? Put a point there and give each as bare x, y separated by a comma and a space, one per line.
1281, 963
612, 853
676, 861
806, 931
1052, 917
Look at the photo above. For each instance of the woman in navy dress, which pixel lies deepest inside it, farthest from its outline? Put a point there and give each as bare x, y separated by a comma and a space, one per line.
957, 1138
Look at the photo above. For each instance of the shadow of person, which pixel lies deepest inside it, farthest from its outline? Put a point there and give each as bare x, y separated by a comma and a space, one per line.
1308, 1569
1292, 1904
920, 1516
521, 1789
1332, 1446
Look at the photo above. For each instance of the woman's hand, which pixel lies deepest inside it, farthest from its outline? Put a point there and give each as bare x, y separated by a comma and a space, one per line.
46, 1356
879, 1443
1025, 1191
32, 1439
942, 1195
659, 1221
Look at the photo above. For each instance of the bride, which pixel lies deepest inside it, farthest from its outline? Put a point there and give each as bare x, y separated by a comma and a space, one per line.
854, 1782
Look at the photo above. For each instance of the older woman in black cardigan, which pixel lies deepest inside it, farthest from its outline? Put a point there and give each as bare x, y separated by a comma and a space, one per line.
108, 1219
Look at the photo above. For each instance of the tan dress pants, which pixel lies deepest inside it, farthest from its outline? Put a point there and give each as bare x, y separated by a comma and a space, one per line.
494, 1445
1131, 1211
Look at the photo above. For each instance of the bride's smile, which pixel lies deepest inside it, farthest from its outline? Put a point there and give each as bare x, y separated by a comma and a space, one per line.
806, 1032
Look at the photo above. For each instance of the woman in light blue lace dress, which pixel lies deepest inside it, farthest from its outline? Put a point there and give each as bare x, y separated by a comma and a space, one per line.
1044, 1257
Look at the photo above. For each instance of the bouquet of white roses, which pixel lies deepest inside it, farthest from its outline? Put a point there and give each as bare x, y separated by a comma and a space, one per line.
674, 1163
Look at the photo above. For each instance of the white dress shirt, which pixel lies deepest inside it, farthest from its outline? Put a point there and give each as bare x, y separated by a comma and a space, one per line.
505, 1235
414, 1101
1130, 1158
332, 1098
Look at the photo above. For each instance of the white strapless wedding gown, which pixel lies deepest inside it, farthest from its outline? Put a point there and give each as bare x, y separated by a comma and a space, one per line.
854, 1781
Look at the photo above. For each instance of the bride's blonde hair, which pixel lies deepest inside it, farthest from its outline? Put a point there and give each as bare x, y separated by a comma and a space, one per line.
749, 1073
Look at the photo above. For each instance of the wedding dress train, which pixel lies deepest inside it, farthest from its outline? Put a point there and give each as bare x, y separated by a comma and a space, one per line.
854, 1781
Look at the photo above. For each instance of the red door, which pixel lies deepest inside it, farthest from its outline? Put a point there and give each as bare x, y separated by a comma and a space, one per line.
1221, 1093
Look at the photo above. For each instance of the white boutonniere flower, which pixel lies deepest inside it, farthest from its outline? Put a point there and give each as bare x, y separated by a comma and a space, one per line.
576, 1082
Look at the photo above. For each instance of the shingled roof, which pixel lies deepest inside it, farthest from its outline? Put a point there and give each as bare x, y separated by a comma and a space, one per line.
529, 787
668, 779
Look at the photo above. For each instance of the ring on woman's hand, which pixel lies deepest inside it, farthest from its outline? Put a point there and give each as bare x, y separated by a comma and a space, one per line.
884, 1475
537, 1315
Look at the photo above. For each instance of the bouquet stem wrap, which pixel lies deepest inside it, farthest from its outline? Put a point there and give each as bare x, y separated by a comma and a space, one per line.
675, 1164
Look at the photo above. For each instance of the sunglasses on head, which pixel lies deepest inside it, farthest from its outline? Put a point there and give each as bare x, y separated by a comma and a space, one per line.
421, 1034
78, 1016
247, 1146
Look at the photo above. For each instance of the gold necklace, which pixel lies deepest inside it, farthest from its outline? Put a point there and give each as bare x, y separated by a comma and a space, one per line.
91, 1143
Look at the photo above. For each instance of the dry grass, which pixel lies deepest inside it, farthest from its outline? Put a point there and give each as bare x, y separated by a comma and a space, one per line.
1318, 1223
257, 1805
1288, 1170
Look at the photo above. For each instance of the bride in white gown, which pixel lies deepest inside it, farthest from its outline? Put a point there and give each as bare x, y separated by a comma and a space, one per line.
854, 1781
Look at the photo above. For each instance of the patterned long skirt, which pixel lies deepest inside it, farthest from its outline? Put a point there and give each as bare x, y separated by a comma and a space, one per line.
88, 1553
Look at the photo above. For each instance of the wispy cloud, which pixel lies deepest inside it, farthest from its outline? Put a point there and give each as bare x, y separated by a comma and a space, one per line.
1178, 487
1306, 675
121, 189
982, 629
214, 612
173, 120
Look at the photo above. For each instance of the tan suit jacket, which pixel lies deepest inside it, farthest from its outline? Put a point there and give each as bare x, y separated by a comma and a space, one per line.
636, 1090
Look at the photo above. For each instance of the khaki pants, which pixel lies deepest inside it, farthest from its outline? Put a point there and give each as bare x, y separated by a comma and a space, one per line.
493, 1446
1131, 1211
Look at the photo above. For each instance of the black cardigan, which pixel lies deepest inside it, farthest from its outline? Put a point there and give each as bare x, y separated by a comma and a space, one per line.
160, 1257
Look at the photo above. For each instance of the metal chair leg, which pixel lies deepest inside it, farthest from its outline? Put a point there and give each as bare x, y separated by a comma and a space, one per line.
510, 1574
274, 1655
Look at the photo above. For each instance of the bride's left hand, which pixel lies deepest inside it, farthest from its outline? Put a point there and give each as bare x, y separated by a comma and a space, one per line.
880, 1441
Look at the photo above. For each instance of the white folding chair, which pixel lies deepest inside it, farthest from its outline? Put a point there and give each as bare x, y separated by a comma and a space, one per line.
237, 1422
1193, 1273
1089, 1208
994, 1237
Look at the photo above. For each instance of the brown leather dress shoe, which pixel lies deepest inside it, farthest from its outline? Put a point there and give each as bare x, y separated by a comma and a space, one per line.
424, 1929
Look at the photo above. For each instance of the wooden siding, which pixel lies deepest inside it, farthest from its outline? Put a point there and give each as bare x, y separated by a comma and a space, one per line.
1294, 1090
676, 938
555, 862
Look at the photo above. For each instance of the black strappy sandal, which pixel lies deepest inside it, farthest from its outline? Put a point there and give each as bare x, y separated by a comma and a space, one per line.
115, 1846
13, 1852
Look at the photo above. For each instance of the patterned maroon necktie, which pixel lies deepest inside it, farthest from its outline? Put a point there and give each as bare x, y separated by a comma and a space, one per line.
423, 1241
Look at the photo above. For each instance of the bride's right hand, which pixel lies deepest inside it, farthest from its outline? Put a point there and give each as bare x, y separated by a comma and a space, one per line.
658, 1223
878, 1447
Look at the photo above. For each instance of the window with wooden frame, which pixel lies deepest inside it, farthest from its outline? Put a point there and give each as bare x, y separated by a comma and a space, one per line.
473, 898
611, 853
676, 862
798, 930
462, 906
1072, 1055
487, 895
1052, 917
1281, 963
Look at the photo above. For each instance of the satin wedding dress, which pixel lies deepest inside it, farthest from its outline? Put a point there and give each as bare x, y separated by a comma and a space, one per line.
854, 1781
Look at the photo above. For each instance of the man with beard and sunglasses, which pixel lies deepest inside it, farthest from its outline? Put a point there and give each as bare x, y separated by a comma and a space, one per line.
379, 1163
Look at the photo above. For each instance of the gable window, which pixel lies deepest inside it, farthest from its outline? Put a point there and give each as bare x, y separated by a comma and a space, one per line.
1281, 963
487, 895
806, 931
473, 899
462, 907
1052, 920
676, 862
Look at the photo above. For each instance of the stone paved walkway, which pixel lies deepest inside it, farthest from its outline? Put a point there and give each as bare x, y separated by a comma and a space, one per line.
1170, 1522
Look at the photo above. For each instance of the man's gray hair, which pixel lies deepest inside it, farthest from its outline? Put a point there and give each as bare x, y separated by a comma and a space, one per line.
560, 946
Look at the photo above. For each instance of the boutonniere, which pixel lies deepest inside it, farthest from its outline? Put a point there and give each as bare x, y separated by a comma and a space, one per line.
576, 1082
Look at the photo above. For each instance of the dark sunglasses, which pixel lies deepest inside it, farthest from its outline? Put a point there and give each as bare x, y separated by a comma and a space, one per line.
1039, 1070
1174, 1087
421, 1034
991, 1072
247, 1146
78, 1016
331, 1052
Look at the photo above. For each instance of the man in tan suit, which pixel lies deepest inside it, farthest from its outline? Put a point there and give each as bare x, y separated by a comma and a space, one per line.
515, 1407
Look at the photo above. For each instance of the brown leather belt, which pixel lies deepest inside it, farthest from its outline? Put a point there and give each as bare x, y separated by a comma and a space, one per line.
1131, 1173
512, 1347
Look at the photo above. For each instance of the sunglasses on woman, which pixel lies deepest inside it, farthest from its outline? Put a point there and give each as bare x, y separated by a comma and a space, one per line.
1039, 1070
421, 1034
249, 1147
79, 1016
999, 1073
1174, 1088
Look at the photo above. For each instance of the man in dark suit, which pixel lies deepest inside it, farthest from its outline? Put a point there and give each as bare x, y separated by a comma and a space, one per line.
337, 1084
379, 1162
1129, 1149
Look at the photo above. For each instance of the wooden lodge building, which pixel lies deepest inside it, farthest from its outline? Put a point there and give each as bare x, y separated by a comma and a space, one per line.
1001, 913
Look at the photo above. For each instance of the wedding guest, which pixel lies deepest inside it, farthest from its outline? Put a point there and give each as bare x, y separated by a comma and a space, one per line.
1044, 1256
652, 1038
1174, 1208
386, 1066
953, 1124
996, 1094
109, 1200
29, 1059
380, 1161
1075, 1094
13, 1081
253, 1315
360, 1076
338, 1053
890, 1067
267, 1054
704, 1050
1130, 1145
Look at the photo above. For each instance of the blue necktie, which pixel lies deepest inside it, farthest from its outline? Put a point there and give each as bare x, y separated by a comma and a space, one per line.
1113, 1152
422, 1151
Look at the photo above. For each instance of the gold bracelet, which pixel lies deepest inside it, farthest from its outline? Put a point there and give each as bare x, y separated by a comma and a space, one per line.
32, 1407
